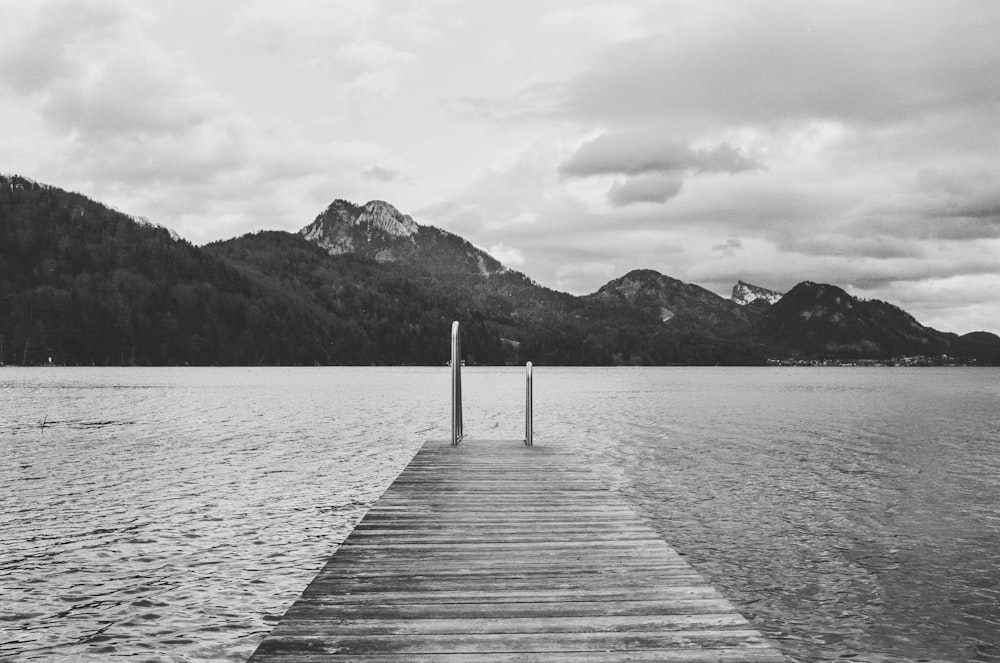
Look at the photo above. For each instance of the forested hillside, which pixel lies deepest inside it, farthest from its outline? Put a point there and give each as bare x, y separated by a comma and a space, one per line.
373, 315
81, 283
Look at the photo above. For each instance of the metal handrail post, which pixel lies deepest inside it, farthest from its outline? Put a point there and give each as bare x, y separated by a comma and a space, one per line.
528, 427
456, 385
461, 424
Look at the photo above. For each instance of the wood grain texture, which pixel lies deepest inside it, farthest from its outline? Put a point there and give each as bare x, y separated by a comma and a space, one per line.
494, 551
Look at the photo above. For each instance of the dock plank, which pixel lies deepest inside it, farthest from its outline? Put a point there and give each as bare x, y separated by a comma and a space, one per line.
494, 552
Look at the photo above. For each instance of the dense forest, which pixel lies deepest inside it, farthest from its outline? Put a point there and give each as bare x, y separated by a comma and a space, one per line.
83, 284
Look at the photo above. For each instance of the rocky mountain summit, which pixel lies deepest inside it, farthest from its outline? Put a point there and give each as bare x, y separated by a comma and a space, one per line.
348, 228
746, 293
379, 231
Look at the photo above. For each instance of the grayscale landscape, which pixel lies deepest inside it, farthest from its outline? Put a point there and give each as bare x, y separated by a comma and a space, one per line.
751, 251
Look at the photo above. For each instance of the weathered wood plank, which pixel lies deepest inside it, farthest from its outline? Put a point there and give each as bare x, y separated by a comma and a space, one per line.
579, 568
519, 642
495, 582
500, 552
599, 624
727, 655
397, 597
318, 610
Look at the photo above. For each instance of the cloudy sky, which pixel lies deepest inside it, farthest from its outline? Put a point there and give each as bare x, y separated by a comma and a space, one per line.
855, 143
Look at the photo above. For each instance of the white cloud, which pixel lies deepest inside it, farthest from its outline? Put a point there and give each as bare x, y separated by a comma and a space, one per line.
48, 43
768, 140
507, 255
370, 66
655, 165
646, 188
958, 304
292, 25
762, 62
641, 152
581, 277
729, 247
141, 125
352, 43
610, 22
380, 174
137, 90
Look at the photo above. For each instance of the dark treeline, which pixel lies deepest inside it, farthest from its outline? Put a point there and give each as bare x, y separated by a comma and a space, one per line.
84, 284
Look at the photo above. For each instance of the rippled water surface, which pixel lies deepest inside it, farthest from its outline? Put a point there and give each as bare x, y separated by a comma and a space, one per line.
174, 514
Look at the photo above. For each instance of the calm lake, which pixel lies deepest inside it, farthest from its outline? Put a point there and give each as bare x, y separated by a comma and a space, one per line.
174, 514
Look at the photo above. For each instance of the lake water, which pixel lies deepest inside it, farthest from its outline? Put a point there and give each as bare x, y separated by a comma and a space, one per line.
174, 514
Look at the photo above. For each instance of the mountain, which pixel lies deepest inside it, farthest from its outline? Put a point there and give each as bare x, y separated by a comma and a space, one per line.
81, 283
645, 317
373, 315
979, 346
747, 293
674, 302
378, 231
816, 319
530, 319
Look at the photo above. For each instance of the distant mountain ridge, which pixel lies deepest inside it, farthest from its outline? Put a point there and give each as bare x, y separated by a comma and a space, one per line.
673, 301
820, 319
365, 284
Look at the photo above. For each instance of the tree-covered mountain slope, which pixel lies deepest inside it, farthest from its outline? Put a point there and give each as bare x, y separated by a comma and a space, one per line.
81, 283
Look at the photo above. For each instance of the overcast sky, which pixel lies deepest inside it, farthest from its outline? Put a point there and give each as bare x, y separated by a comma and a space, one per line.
854, 143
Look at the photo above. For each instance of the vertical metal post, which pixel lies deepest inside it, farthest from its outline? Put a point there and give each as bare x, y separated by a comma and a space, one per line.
461, 424
456, 385
528, 427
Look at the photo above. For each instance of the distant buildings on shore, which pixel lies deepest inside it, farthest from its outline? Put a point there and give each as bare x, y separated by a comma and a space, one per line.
918, 360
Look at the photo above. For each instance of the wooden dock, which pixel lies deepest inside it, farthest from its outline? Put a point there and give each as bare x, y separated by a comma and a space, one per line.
494, 551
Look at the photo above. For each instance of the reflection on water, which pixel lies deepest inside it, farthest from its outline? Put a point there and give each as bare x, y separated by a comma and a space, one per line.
174, 514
